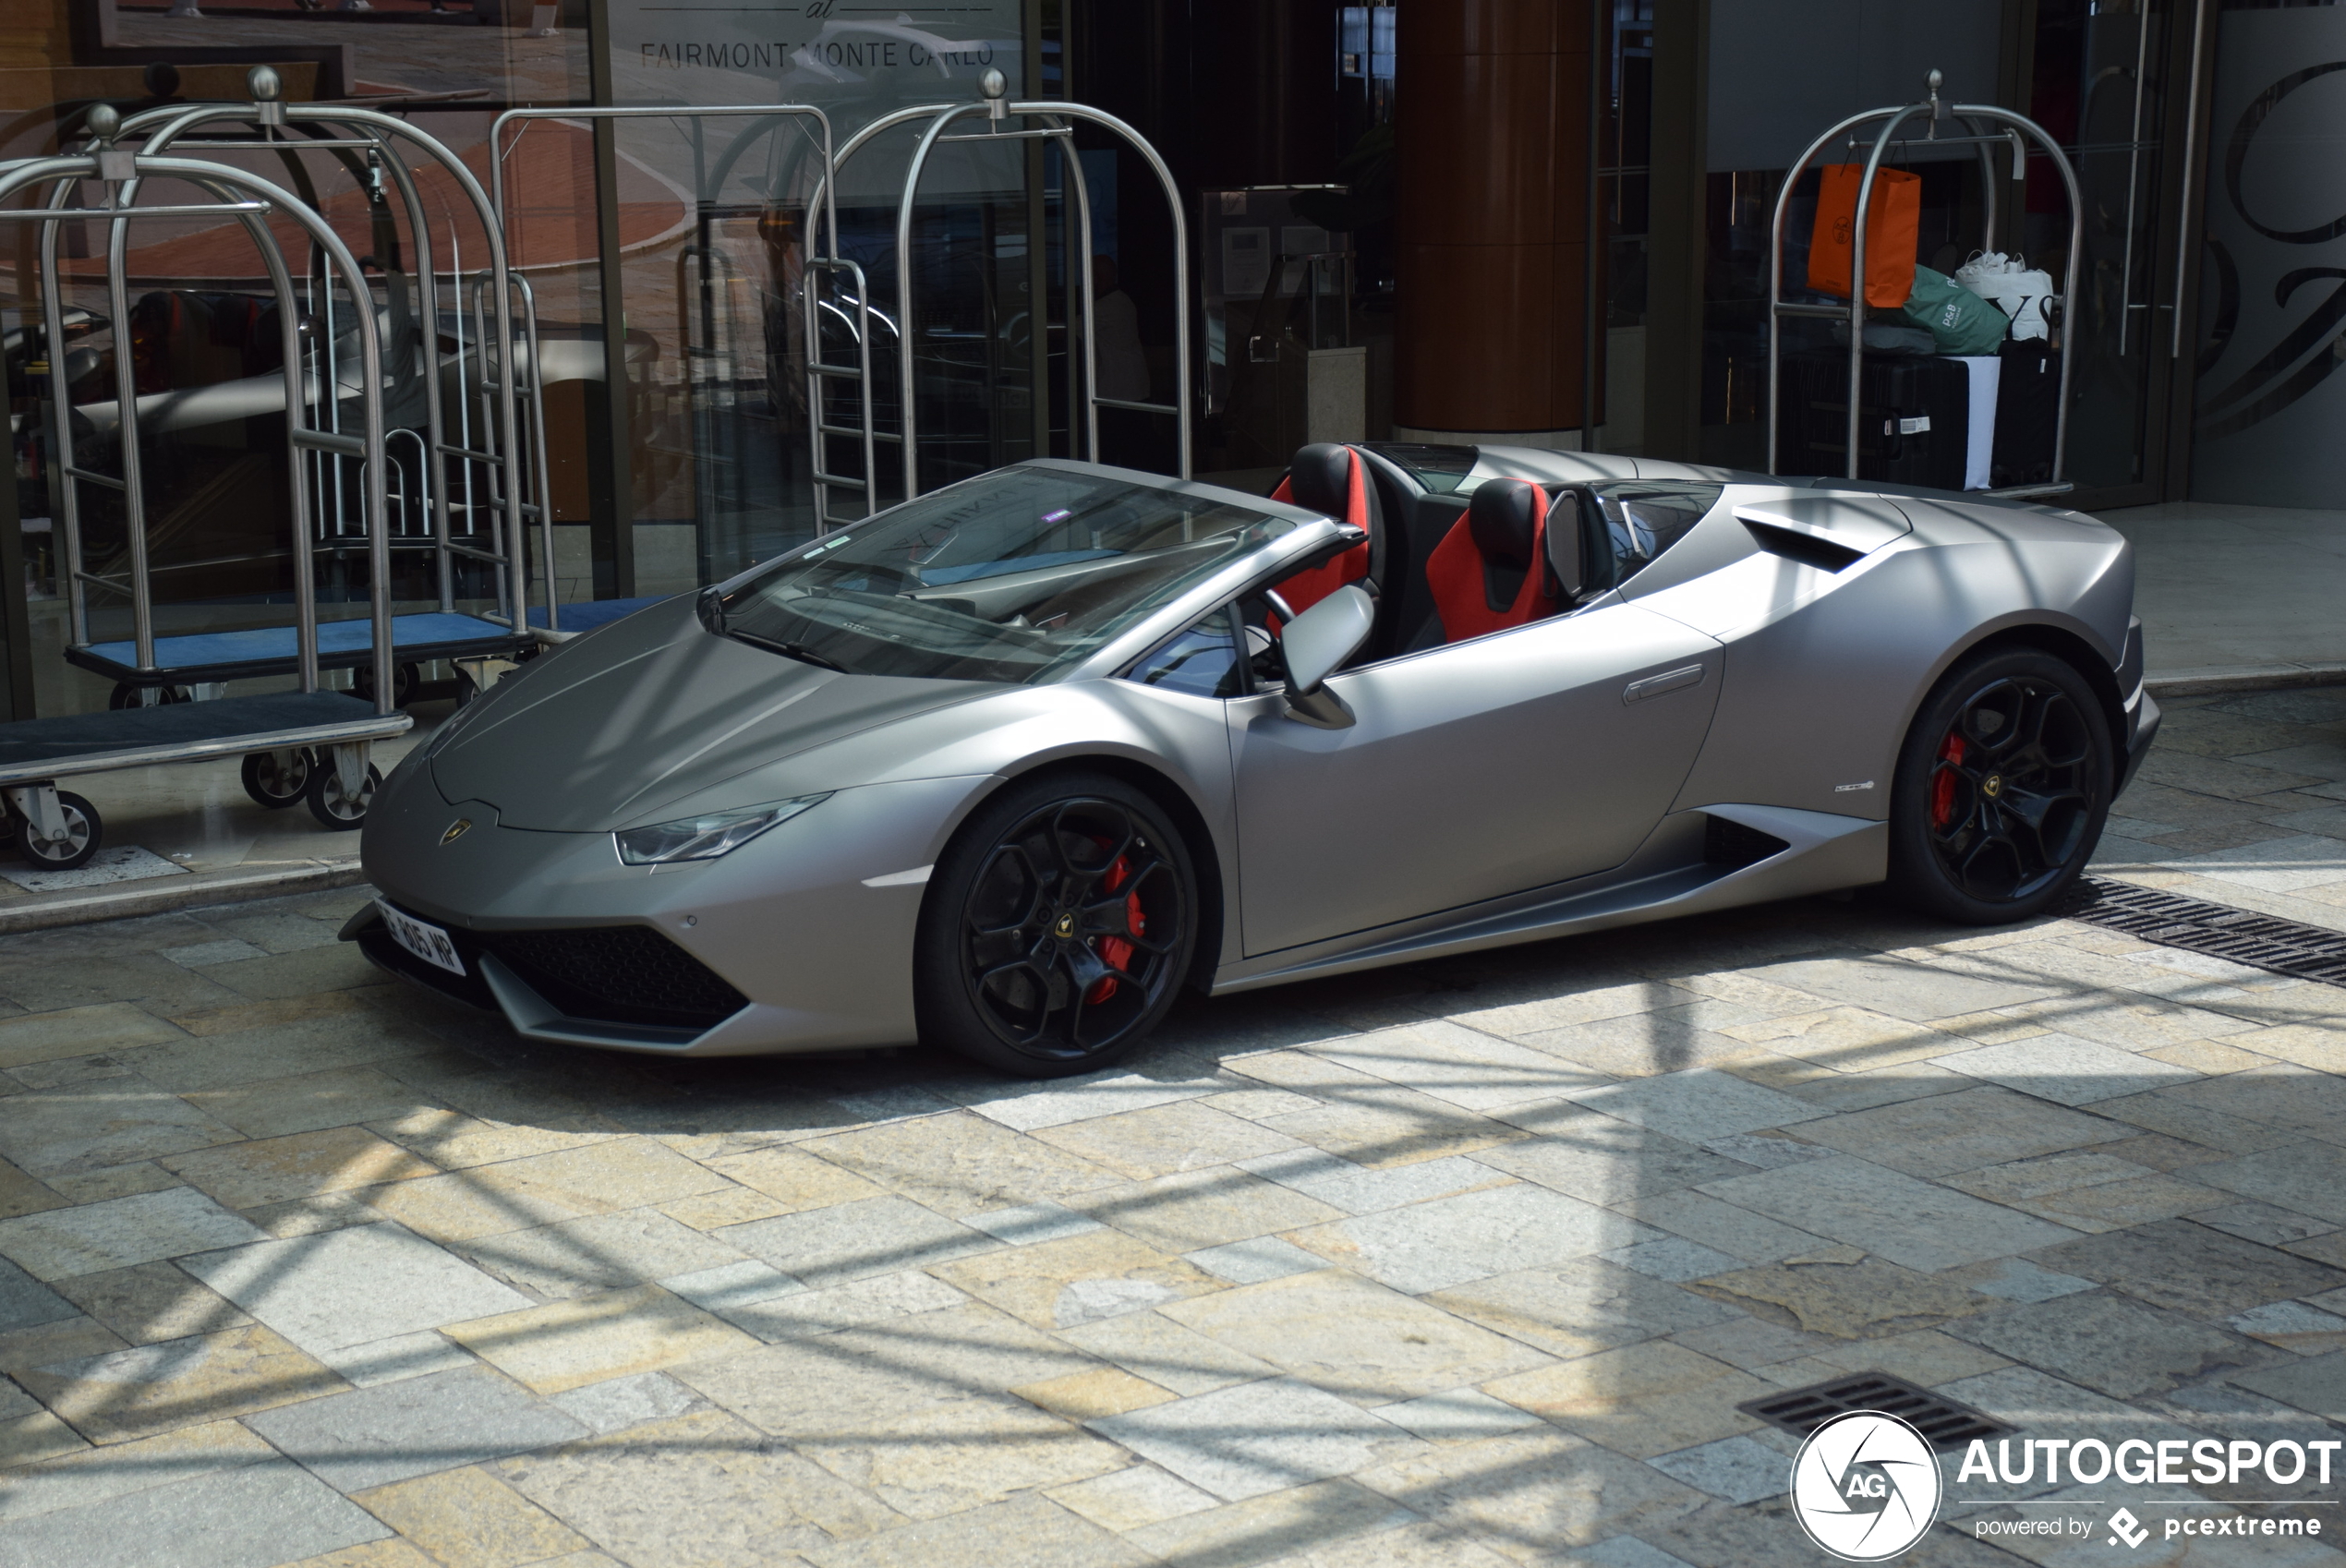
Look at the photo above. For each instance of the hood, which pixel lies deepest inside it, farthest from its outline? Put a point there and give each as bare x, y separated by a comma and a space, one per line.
651, 708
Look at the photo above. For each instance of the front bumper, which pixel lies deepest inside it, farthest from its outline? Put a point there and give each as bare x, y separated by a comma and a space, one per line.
781, 945
623, 985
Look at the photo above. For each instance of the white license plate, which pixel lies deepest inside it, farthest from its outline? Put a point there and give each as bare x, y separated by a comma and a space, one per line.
426, 941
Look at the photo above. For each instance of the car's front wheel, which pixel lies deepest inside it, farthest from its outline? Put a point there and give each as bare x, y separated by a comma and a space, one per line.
1057, 927
2002, 788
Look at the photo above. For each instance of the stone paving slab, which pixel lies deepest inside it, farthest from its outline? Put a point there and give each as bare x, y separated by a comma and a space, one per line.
119, 1232
345, 1287
413, 1426
264, 1513
1462, 1264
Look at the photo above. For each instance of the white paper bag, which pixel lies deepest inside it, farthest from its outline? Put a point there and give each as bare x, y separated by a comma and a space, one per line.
2012, 286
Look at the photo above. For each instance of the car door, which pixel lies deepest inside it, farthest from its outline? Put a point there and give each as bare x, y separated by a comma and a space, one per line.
1473, 770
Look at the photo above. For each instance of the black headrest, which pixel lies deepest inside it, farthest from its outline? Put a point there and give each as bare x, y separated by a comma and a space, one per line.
1505, 516
1322, 478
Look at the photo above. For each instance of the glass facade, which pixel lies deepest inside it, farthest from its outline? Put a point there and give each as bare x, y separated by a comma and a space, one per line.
1395, 226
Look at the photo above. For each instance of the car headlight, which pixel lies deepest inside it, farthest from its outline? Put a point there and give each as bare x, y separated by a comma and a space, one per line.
706, 837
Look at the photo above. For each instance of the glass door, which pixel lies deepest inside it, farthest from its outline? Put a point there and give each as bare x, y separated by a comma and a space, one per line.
2114, 81
2273, 290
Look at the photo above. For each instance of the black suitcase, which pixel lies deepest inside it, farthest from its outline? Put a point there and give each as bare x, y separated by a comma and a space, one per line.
2028, 409
1915, 423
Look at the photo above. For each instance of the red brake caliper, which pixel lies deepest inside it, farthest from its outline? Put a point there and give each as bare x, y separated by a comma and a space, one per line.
1115, 952
1943, 789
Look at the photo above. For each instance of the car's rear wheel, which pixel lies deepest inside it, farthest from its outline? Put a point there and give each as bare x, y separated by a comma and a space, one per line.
2002, 788
1057, 927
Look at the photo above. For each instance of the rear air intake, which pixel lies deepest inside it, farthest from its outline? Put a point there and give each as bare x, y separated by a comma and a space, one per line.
1806, 549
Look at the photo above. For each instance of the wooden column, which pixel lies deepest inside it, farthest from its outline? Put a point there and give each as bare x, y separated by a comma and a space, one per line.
1492, 118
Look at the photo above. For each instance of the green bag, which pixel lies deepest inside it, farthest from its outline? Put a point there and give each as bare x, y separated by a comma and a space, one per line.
1958, 321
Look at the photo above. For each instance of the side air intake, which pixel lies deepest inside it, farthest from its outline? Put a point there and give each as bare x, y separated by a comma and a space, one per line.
1732, 844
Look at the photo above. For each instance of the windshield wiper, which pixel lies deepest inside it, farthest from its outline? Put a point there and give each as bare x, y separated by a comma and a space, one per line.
799, 651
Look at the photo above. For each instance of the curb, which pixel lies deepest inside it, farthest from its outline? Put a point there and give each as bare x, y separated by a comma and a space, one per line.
143, 899
2217, 680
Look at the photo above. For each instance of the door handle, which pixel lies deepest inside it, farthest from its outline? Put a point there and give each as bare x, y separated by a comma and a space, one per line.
1668, 681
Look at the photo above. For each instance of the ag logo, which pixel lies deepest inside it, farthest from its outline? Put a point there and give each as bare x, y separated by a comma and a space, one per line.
1865, 1486
456, 830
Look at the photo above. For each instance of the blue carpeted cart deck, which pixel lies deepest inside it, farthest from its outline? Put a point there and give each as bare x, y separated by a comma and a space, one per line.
271, 650
342, 644
99, 743
589, 614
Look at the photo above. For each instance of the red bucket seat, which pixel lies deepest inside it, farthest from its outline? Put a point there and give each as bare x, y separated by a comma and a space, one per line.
1491, 570
1330, 479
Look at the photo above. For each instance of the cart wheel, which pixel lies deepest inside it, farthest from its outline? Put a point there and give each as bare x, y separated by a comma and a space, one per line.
278, 785
84, 833
330, 805
466, 688
125, 695
403, 683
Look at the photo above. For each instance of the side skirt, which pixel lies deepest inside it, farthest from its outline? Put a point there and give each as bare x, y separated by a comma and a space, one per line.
1665, 879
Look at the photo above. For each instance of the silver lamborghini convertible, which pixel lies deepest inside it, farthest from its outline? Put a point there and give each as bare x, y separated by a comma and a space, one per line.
1003, 768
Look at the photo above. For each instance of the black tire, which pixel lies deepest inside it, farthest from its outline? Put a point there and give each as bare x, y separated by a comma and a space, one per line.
2002, 790
325, 797
1017, 960
403, 683
125, 695
275, 787
84, 834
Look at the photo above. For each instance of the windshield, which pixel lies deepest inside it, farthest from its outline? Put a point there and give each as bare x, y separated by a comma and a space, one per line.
1010, 576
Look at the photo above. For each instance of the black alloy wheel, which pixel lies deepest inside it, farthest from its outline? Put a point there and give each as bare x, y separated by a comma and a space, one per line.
1056, 929
2002, 789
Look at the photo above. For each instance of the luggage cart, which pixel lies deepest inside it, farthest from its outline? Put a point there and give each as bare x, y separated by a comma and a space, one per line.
1058, 120
2018, 130
497, 484
282, 735
821, 271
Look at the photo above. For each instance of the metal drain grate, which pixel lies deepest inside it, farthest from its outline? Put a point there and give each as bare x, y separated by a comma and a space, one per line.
1944, 1423
2244, 936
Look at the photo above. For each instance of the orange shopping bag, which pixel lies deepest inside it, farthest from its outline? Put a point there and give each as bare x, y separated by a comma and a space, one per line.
1892, 236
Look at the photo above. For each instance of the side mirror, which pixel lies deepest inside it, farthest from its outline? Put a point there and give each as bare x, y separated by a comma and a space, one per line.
1315, 644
